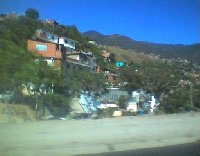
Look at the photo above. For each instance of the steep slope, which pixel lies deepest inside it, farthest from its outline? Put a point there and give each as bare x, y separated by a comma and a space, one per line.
130, 55
190, 52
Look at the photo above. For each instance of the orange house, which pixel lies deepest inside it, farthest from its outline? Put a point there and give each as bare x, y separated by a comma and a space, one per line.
45, 49
51, 52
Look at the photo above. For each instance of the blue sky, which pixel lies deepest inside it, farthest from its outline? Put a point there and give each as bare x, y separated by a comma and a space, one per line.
159, 21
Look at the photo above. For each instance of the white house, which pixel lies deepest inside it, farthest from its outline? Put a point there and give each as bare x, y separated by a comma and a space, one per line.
68, 43
46, 36
152, 104
132, 106
134, 101
93, 42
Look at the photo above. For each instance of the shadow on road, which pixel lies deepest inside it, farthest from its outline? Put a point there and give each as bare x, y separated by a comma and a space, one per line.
190, 149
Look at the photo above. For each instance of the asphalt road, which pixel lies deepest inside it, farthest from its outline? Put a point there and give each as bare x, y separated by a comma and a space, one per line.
191, 149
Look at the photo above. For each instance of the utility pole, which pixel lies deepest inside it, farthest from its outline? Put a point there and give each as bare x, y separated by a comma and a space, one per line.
191, 99
52, 88
36, 105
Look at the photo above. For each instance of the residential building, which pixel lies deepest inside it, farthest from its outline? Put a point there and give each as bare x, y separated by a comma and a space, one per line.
133, 104
93, 42
52, 23
106, 55
81, 61
51, 52
105, 105
45, 36
112, 79
113, 95
54, 49
45, 49
68, 43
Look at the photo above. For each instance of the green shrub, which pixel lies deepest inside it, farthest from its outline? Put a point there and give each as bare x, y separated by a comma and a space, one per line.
128, 113
106, 113
57, 104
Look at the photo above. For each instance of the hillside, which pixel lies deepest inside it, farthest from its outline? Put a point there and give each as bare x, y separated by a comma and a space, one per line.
190, 52
143, 71
130, 55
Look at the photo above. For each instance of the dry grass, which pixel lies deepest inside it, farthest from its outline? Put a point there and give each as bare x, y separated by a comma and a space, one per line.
16, 113
129, 55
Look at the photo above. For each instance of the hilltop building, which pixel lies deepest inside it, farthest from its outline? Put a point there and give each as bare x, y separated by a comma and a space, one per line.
52, 23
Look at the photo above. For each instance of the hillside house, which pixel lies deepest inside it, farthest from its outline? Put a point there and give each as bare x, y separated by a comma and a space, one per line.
50, 22
68, 43
81, 61
106, 55
54, 49
45, 36
93, 42
112, 79
113, 95
51, 52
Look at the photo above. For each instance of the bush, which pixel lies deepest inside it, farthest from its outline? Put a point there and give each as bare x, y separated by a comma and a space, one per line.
58, 105
106, 113
129, 113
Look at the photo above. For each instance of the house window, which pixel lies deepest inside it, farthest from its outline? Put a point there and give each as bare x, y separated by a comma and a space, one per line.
44, 35
74, 67
66, 41
41, 47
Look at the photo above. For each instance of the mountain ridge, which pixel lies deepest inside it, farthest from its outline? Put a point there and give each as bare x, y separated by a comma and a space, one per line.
190, 52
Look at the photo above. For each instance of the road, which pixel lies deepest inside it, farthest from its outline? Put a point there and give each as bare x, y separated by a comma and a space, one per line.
74, 137
189, 149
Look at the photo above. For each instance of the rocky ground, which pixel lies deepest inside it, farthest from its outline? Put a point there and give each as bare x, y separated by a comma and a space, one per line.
73, 137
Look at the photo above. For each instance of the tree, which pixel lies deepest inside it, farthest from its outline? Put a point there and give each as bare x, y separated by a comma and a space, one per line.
154, 77
16, 66
112, 58
58, 105
86, 81
32, 13
121, 102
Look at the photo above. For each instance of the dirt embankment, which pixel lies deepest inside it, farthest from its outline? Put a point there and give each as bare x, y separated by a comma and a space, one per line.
16, 113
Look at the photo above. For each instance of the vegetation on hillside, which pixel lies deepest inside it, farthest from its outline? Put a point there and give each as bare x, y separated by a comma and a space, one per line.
17, 65
169, 80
